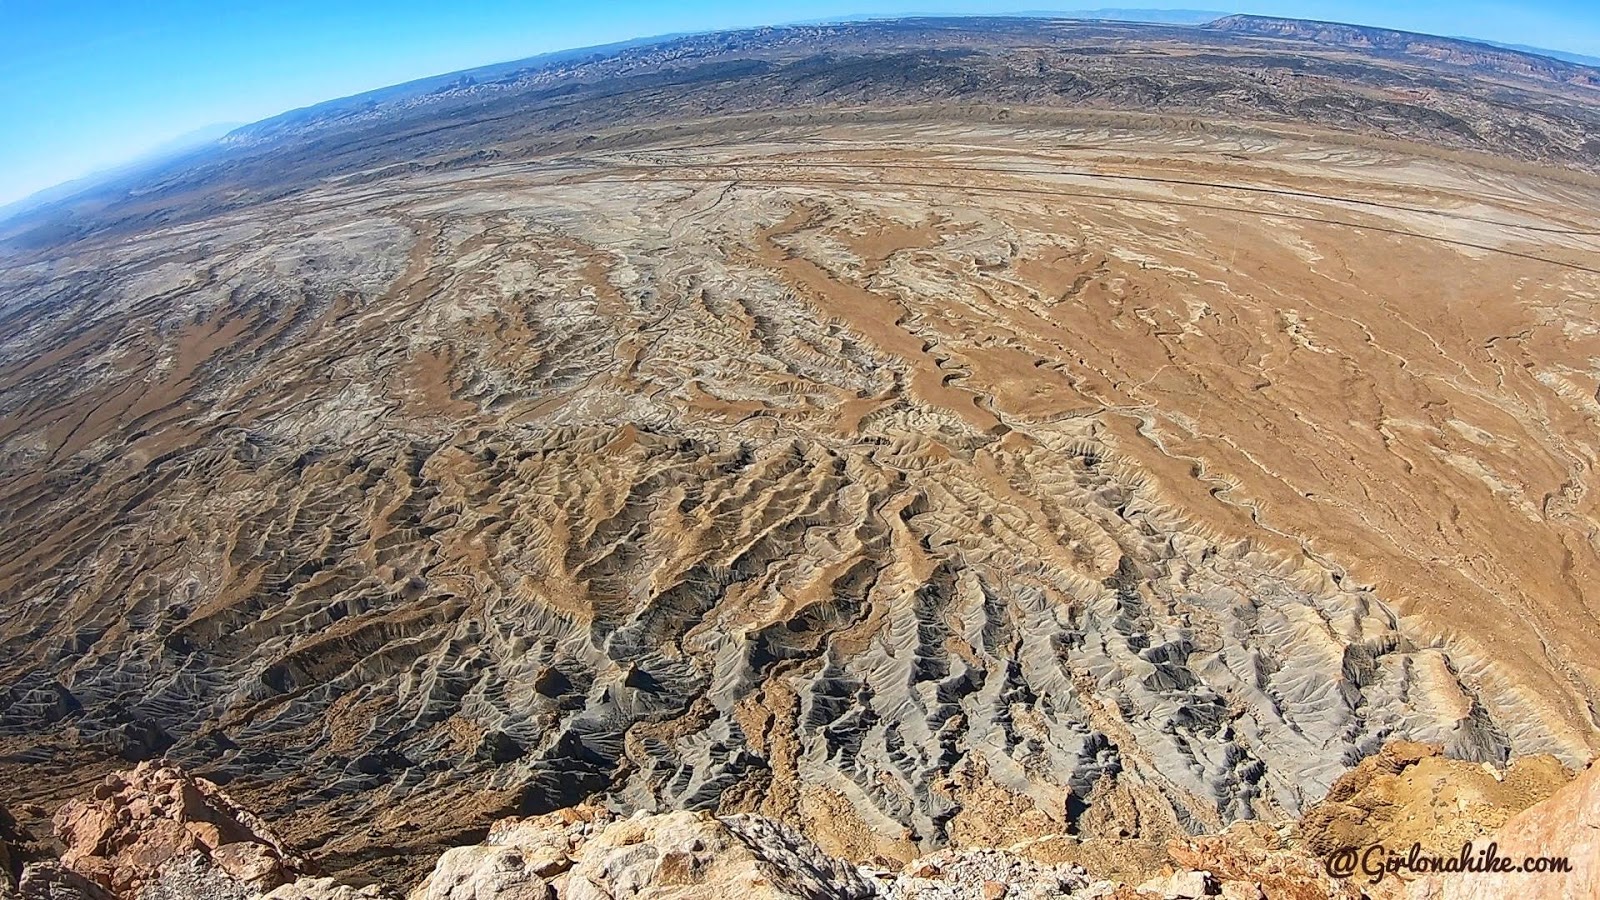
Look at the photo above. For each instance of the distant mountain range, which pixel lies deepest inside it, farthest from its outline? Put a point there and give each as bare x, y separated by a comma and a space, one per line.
1194, 17
1481, 56
1113, 14
1578, 58
164, 152
1520, 58
1109, 14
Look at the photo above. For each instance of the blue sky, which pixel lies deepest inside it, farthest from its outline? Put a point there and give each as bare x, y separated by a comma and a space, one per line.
85, 85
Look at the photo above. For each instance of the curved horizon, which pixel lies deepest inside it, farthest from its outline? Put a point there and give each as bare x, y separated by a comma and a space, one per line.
85, 135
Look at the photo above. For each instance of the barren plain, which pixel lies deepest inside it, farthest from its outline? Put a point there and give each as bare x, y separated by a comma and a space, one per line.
932, 472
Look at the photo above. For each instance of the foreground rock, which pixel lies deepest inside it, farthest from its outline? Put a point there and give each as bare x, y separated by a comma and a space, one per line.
27, 873
586, 853
1251, 861
1412, 793
156, 833
136, 824
990, 874
1567, 824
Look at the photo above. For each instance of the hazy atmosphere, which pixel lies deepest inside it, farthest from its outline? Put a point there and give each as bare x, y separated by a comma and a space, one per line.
85, 85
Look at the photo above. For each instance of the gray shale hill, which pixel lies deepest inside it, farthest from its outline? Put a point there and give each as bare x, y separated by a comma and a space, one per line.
920, 433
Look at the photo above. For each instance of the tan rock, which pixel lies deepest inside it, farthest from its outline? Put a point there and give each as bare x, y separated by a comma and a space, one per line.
49, 881
249, 862
1412, 793
209, 835
925, 869
1255, 853
673, 855
135, 823
325, 889
1241, 890
624, 833
547, 861
483, 873
1567, 824
1186, 885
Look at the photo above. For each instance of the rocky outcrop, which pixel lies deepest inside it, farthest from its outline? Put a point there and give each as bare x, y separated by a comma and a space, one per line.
311, 888
586, 853
28, 872
589, 852
1251, 861
157, 823
1564, 826
1409, 793
987, 875
148, 835
47, 880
